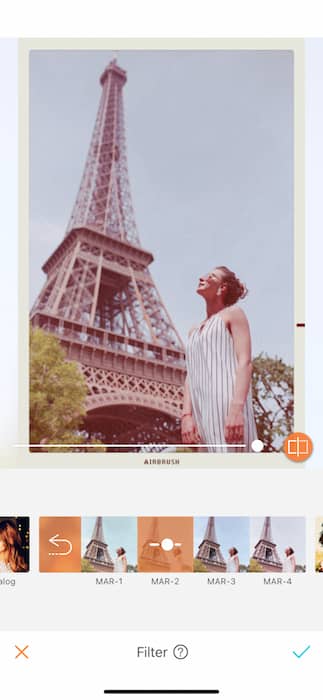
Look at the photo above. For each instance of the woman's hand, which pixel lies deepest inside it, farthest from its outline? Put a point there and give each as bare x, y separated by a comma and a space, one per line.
190, 434
234, 425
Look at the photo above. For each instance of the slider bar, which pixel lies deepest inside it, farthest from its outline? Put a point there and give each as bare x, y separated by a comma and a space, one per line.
162, 692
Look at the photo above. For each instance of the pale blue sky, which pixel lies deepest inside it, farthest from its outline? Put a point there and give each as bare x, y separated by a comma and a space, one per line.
210, 148
118, 532
230, 532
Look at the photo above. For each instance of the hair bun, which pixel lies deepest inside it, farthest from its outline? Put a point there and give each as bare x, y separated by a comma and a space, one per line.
243, 290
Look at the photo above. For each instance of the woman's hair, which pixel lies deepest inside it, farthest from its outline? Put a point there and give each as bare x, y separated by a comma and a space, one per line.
14, 554
234, 551
121, 551
289, 551
235, 289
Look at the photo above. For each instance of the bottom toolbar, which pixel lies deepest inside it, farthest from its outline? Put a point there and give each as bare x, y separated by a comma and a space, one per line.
229, 664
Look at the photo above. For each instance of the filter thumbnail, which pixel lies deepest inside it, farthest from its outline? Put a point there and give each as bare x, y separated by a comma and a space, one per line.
319, 545
165, 544
59, 545
14, 545
277, 545
221, 544
109, 544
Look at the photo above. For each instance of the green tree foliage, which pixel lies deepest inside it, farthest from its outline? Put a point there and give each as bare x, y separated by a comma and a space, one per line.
273, 389
243, 569
86, 566
199, 566
255, 567
57, 392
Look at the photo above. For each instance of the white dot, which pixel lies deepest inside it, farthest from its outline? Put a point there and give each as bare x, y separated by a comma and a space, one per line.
167, 544
257, 445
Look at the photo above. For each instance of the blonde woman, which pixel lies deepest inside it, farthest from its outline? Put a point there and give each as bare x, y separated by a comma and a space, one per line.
217, 407
121, 561
233, 564
290, 561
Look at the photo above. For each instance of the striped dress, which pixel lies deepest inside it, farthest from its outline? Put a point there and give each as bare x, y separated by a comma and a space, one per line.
211, 366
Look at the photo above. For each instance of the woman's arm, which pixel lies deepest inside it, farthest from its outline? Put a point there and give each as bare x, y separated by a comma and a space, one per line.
238, 326
190, 434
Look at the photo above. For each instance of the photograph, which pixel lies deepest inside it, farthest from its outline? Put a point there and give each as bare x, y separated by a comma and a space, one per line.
277, 545
161, 266
14, 545
221, 544
165, 544
109, 544
319, 545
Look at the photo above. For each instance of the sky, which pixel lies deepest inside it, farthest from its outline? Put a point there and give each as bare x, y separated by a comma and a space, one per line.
230, 532
118, 532
286, 532
210, 156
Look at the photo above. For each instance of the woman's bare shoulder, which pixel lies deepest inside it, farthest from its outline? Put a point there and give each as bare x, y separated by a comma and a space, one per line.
192, 329
234, 316
233, 313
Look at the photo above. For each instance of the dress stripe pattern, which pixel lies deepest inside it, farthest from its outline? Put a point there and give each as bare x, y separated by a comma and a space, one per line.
211, 365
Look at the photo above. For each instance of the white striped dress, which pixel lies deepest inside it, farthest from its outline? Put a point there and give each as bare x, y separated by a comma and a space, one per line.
211, 366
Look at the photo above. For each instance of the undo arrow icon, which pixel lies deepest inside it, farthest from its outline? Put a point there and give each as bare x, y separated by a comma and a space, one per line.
55, 541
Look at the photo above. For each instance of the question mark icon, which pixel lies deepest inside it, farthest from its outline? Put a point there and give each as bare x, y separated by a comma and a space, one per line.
180, 651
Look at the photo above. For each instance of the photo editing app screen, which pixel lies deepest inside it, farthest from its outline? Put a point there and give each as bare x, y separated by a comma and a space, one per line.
161, 511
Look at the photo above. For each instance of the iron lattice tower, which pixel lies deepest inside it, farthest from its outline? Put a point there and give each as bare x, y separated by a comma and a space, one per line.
265, 552
209, 552
97, 552
100, 299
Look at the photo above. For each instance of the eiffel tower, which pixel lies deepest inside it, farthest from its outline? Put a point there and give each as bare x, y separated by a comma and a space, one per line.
209, 552
97, 552
100, 299
265, 552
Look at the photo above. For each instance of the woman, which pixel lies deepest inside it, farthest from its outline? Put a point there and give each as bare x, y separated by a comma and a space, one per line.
11, 554
233, 564
121, 561
217, 407
290, 561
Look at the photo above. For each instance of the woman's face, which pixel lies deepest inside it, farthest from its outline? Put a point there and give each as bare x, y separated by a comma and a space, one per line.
3, 545
210, 284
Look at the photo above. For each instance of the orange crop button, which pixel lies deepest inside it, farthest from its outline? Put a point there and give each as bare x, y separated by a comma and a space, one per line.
298, 447
59, 544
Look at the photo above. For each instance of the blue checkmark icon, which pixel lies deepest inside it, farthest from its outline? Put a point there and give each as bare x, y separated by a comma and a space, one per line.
299, 656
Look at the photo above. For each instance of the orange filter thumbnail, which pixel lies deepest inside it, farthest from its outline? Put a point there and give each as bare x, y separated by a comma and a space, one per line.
165, 544
59, 545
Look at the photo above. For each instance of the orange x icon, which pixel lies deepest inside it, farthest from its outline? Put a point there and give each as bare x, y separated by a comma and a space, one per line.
22, 651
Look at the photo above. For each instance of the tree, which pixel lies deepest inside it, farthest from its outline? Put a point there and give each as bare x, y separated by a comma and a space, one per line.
86, 566
273, 400
198, 566
132, 569
57, 392
243, 569
255, 567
